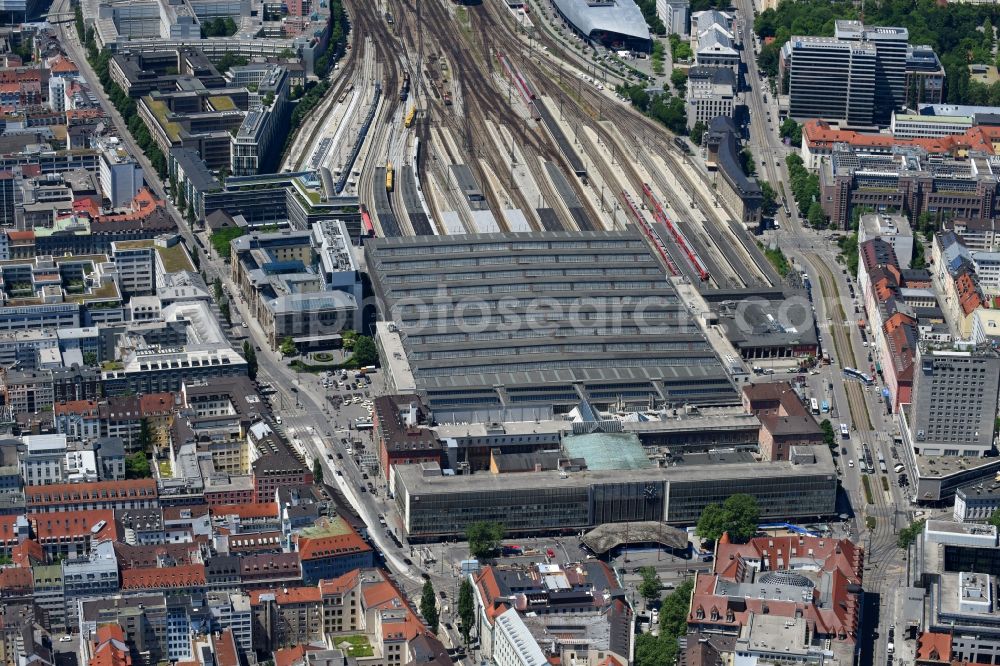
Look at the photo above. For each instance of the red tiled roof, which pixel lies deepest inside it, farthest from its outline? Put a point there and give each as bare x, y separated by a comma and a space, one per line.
110, 648
184, 576
225, 649
16, 579
489, 589
292, 656
339, 585
59, 525
63, 65
316, 548
21, 235
27, 552
81, 407
819, 134
841, 559
149, 557
969, 296
287, 595
96, 491
156, 404
933, 646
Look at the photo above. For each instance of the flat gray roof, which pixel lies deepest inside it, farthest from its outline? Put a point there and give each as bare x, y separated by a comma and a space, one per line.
516, 313
413, 477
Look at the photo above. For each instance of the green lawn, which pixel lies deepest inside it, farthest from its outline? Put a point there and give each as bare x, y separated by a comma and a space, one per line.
165, 469
357, 645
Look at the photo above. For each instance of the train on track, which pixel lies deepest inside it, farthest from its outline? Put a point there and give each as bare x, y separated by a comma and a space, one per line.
388, 177
524, 89
661, 216
410, 115
367, 228
651, 234
404, 91
682, 145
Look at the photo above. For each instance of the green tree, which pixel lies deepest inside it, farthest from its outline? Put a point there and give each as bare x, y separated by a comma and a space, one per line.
145, 438
484, 538
663, 649
137, 466
698, 132
739, 515
428, 606
652, 650
317, 471
250, 354
217, 289
829, 437
712, 522
679, 78
466, 611
90, 358
816, 216
227, 313
680, 50
78, 20
769, 205
909, 534
365, 352
747, 162
675, 608
919, 259
995, 518
792, 131
651, 584
222, 239
230, 60
287, 347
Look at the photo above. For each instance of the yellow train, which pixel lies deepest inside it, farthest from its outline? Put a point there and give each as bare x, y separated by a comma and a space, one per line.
410, 115
388, 176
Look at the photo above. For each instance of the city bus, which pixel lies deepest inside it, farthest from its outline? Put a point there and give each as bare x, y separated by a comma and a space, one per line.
815, 406
844, 432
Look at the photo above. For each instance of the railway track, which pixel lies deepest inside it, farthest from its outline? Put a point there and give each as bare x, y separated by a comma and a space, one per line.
473, 68
323, 109
881, 541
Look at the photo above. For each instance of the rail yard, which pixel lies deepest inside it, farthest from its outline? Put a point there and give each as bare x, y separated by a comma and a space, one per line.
455, 119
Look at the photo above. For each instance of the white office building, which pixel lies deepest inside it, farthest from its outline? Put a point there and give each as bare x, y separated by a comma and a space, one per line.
893, 229
44, 459
987, 265
120, 174
914, 126
513, 644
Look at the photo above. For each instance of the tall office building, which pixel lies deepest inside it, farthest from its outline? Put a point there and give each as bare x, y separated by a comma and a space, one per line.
955, 401
890, 64
857, 77
831, 79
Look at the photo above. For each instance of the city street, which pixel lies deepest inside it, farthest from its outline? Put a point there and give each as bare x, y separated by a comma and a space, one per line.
861, 408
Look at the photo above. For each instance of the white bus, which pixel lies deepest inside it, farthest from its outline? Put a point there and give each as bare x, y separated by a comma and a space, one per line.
815, 406
844, 432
